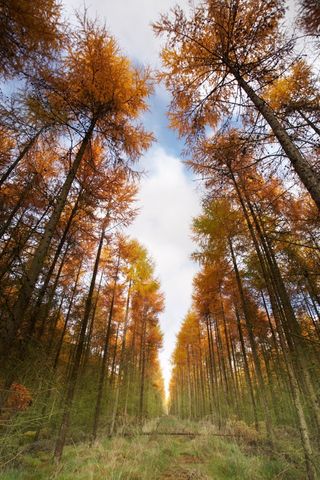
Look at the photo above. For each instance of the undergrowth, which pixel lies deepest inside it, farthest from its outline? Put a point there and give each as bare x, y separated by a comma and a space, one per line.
245, 455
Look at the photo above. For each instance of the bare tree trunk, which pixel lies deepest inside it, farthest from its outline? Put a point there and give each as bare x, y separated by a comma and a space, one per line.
256, 359
309, 177
247, 370
103, 367
89, 336
21, 155
39, 256
114, 357
214, 370
189, 384
233, 382
34, 315
44, 314
77, 358
123, 346
74, 290
17, 207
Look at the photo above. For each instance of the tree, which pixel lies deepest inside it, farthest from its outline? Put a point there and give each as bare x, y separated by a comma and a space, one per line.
104, 95
29, 32
217, 62
310, 16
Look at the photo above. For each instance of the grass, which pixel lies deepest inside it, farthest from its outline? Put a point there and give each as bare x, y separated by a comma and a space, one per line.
163, 457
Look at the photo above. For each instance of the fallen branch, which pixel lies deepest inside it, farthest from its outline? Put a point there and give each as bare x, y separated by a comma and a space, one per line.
188, 434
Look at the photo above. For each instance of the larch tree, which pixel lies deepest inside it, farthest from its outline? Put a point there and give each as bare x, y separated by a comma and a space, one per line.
103, 95
29, 33
217, 63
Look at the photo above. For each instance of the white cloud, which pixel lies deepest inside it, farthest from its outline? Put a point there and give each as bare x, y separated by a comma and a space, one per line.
168, 201
130, 22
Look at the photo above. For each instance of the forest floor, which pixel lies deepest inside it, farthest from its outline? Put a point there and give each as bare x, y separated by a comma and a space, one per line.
238, 454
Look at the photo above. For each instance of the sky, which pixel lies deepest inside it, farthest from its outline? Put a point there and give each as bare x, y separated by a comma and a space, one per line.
168, 196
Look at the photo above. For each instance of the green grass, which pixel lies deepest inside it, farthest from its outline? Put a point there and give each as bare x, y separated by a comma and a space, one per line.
163, 457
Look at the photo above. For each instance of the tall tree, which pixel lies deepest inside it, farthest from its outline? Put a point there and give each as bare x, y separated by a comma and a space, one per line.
105, 95
217, 61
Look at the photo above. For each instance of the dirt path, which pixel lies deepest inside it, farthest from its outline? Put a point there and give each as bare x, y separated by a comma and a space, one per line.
185, 464
185, 467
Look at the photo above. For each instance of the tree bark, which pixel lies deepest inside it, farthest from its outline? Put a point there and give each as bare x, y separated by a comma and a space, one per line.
39, 256
103, 367
77, 358
123, 346
308, 176
21, 155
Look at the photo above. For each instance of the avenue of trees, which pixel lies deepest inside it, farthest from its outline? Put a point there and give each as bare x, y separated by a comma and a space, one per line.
79, 300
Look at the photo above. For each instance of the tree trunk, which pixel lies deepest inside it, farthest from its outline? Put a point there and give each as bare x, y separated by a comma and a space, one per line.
44, 313
18, 205
77, 358
309, 177
21, 155
256, 359
104, 362
39, 256
247, 370
52, 266
89, 335
123, 347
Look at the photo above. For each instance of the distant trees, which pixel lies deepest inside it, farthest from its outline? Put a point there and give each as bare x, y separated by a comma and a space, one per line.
252, 332
245, 236
127, 338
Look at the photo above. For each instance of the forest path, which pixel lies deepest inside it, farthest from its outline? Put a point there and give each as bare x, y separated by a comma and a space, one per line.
157, 453
185, 464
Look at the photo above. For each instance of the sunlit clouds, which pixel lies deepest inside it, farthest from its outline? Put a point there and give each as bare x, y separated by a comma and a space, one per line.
168, 200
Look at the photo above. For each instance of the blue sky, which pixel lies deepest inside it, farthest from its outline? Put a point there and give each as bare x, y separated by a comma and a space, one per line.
168, 198
156, 120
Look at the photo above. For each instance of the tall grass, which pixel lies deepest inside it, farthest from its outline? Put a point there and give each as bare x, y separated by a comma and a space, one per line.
245, 456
